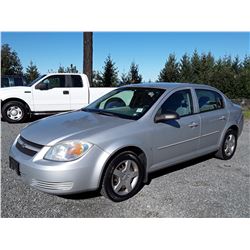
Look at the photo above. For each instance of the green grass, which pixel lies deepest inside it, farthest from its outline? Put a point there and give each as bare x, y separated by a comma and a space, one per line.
246, 113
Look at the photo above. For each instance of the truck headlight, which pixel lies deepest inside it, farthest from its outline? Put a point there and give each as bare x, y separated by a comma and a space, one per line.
67, 151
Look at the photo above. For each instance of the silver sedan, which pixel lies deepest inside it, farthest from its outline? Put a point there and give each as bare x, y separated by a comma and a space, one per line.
115, 142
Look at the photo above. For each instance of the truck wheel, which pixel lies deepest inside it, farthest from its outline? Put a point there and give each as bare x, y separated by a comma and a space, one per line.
228, 147
14, 112
123, 177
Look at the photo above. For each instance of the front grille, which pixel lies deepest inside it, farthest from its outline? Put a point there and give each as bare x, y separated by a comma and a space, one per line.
52, 185
28, 147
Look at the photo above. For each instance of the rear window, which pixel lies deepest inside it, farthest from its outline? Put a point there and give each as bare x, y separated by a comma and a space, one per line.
76, 81
209, 100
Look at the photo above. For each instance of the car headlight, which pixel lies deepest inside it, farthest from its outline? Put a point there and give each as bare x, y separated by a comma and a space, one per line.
67, 151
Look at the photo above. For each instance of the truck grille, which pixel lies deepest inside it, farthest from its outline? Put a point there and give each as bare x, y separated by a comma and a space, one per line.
28, 147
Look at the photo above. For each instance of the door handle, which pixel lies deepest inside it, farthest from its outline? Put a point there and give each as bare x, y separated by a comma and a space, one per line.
65, 92
222, 118
193, 125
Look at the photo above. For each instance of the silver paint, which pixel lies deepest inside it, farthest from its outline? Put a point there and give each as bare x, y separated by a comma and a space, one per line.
177, 143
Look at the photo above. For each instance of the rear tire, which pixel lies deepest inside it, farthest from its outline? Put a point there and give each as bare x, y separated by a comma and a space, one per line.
228, 146
14, 112
123, 177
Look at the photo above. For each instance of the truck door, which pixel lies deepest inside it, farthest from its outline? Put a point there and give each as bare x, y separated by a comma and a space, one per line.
52, 94
79, 93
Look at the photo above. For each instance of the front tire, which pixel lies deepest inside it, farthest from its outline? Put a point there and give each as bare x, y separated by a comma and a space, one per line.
14, 112
228, 146
123, 177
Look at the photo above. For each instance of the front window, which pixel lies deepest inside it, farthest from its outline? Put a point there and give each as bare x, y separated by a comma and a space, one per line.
55, 81
179, 102
129, 103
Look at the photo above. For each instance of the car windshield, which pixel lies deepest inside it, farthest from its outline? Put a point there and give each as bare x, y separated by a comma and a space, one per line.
127, 102
34, 81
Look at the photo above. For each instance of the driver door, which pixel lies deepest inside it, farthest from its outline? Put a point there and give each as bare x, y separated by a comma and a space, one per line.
52, 94
176, 140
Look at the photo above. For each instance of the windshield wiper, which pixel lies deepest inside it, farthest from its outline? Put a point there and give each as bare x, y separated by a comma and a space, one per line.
101, 112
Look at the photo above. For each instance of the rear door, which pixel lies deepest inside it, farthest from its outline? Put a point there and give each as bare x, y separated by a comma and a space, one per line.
213, 117
52, 94
79, 94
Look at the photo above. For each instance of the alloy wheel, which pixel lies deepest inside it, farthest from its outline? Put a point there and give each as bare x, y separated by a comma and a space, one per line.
125, 177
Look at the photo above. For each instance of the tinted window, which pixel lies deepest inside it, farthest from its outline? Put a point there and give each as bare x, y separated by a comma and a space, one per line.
5, 82
18, 81
179, 102
54, 82
209, 100
76, 81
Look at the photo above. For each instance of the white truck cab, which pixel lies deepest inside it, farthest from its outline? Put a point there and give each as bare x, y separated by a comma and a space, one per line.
50, 93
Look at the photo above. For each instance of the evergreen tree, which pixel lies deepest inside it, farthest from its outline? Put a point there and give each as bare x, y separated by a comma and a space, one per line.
10, 62
70, 69
110, 73
170, 72
206, 68
97, 79
236, 65
196, 67
244, 79
133, 75
61, 69
223, 76
31, 72
185, 69
124, 79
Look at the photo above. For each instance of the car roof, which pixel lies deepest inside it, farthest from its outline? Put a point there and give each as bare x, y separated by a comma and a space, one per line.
166, 85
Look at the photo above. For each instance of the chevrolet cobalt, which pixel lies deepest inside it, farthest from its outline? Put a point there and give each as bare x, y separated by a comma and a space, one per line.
116, 141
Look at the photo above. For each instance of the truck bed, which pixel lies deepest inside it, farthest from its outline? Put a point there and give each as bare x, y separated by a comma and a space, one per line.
95, 93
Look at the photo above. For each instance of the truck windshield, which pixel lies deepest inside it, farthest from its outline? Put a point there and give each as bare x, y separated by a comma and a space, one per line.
37, 79
127, 102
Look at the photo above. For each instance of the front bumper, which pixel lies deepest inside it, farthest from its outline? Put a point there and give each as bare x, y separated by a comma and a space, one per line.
60, 178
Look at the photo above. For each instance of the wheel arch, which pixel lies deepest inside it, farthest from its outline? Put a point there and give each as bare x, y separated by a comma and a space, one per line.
136, 150
230, 126
235, 128
17, 100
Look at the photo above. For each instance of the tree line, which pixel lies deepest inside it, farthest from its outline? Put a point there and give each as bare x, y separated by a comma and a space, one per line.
230, 75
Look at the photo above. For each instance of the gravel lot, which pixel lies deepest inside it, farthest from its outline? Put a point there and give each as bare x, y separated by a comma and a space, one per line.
205, 187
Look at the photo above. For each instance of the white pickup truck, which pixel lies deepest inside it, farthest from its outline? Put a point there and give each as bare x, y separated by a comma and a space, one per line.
48, 94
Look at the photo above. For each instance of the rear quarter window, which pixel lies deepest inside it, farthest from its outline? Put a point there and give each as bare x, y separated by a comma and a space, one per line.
209, 100
76, 81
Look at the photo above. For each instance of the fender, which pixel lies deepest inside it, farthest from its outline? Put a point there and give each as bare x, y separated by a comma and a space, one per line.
235, 120
22, 94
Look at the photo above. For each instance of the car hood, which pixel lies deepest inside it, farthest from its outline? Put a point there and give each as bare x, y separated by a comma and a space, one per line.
12, 91
18, 88
68, 126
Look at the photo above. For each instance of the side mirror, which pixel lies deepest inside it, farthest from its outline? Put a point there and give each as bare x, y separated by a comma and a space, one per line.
42, 86
170, 115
